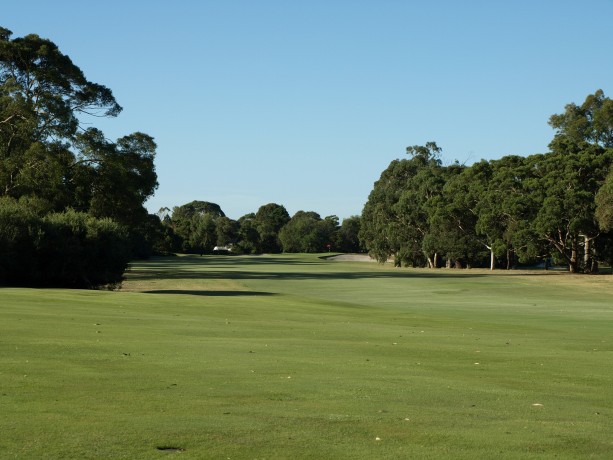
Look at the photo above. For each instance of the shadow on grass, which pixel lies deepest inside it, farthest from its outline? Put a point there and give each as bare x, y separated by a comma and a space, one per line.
281, 268
212, 293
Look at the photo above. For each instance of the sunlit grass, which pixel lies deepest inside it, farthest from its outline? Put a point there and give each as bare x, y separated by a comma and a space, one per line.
293, 356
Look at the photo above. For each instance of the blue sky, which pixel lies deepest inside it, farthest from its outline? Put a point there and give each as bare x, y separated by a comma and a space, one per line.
305, 103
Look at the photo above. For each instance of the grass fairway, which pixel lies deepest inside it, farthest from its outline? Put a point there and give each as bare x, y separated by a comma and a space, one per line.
298, 357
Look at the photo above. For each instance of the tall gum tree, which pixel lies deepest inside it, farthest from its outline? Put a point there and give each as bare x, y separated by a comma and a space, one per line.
395, 217
507, 210
571, 177
46, 152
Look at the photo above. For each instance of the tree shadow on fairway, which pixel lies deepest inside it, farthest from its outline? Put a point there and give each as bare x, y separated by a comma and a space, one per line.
212, 293
282, 268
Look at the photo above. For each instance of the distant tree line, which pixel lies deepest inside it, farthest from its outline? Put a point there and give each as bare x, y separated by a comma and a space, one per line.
547, 208
199, 227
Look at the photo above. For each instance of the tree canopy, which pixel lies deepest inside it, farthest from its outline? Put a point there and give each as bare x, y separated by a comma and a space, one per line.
527, 209
49, 156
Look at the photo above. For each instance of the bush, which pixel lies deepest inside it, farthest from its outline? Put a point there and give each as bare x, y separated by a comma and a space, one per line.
68, 249
82, 251
20, 231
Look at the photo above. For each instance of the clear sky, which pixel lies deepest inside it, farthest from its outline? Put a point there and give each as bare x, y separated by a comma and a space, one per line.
305, 103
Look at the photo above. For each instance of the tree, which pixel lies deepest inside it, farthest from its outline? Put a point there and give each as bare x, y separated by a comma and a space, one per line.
186, 211
604, 204
43, 81
115, 179
269, 220
46, 153
330, 232
42, 96
195, 232
395, 217
305, 232
348, 234
455, 213
248, 236
203, 233
227, 231
588, 127
509, 207
583, 149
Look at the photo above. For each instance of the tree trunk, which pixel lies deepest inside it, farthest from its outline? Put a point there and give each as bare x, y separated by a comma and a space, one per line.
436, 260
587, 255
492, 259
573, 262
590, 256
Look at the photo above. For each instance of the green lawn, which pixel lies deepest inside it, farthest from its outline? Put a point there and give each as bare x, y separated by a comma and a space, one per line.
299, 357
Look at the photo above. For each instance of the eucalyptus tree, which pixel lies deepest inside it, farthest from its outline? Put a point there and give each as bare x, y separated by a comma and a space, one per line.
114, 179
45, 149
566, 217
508, 208
588, 126
43, 96
582, 153
381, 232
395, 219
464, 205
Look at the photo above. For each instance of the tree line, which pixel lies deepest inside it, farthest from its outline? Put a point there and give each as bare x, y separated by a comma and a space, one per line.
201, 227
547, 208
72, 201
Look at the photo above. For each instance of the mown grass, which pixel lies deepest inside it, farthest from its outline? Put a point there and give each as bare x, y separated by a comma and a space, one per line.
298, 357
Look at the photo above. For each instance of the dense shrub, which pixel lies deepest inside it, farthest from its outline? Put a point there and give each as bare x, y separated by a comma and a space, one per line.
68, 249
20, 230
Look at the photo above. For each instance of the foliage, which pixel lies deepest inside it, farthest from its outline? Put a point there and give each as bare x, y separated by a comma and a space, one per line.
348, 239
199, 226
80, 250
553, 205
269, 220
69, 249
248, 236
195, 224
227, 231
304, 233
47, 155
604, 204
395, 218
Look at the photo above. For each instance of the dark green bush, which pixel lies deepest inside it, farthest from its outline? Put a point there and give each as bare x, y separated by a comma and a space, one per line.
20, 232
68, 249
